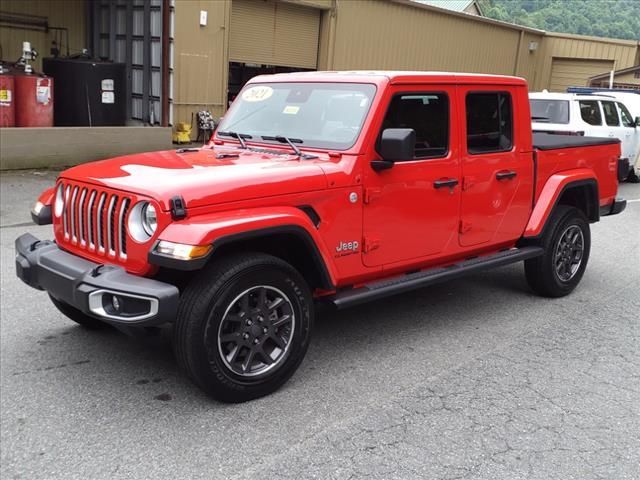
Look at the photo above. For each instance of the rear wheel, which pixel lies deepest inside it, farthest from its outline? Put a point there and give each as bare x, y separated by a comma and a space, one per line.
243, 326
77, 316
633, 176
567, 243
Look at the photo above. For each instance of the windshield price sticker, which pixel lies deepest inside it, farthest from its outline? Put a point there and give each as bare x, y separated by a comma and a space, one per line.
257, 93
291, 109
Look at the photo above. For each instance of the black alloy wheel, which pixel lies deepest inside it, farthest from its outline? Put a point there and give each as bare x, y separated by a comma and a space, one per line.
566, 241
254, 336
244, 324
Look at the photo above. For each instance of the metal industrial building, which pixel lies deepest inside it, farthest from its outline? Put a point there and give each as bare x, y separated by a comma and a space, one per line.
184, 56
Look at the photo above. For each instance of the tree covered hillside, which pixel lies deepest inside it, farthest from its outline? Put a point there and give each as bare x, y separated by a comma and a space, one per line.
601, 18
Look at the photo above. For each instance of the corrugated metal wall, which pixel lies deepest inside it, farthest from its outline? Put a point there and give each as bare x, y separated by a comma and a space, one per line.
274, 33
401, 36
201, 55
564, 46
200, 58
571, 72
60, 13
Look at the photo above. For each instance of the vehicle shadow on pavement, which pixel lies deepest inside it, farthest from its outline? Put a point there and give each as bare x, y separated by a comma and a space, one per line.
339, 339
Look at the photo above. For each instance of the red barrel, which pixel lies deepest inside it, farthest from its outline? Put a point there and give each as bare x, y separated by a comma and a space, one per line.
34, 100
7, 100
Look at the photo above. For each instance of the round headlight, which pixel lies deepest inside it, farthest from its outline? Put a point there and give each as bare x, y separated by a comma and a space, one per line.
58, 205
149, 219
142, 222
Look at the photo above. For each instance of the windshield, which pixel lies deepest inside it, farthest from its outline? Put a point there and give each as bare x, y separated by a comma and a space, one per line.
321, 115
550, 111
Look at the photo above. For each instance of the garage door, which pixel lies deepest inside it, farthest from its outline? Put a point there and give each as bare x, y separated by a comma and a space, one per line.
274, 33
567, 72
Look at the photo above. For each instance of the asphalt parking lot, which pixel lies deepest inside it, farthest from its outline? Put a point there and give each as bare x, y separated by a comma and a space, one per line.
474, 379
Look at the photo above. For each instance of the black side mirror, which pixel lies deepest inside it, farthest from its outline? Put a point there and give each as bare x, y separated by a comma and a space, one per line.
395, 144
398, 144
637, 122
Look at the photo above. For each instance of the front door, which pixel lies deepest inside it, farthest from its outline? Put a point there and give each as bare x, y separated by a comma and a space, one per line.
630, 132
497, 173
411, 210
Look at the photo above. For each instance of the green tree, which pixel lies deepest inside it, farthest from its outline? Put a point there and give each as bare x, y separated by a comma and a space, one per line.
602, 18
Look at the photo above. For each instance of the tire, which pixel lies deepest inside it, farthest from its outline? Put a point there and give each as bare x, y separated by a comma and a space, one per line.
229, 321
567, 242
633, 176
77, 316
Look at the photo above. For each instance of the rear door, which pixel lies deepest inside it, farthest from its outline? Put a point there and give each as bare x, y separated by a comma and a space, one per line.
408, 214
616, 130
497, 170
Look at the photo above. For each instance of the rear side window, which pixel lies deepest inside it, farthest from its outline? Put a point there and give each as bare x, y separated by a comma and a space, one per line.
610, 114
489, 122
549, 111
590, 112
428, 115
625, 116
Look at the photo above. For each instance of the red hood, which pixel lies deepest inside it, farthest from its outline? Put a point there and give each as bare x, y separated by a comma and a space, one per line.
201, 177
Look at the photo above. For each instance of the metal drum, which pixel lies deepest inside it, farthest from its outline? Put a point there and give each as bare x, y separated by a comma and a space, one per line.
34, 100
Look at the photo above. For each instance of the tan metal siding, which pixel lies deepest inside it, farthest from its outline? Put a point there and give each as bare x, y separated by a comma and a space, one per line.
274, 33
631, 78
401, 36
321, 4
60, 13
575, 72
200, 56
621, 52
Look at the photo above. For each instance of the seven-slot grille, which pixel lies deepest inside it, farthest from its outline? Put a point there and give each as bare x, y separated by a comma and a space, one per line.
95, 220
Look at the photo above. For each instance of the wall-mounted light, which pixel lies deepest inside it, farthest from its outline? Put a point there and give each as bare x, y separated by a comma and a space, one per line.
533, 46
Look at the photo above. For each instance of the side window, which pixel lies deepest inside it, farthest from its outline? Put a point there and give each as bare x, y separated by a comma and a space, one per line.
590, 112
428, 115
610, 114
489, 122
627, 120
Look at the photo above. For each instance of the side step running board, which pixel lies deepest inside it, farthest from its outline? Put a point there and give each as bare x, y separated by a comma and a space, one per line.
385, 288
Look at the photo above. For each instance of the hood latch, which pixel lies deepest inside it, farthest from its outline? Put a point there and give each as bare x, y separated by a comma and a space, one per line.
178, 208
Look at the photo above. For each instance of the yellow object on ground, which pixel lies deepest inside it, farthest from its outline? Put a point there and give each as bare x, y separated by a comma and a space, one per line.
182, 133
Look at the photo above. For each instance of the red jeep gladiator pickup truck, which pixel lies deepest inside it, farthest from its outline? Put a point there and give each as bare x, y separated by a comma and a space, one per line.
335, 187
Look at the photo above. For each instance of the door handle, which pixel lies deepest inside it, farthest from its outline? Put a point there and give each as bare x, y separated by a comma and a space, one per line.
446, 182
506, 175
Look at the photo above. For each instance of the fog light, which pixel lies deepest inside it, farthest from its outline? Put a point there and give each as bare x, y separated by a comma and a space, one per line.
115, 303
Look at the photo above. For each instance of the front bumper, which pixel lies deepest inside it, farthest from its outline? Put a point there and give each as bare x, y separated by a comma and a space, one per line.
91, 287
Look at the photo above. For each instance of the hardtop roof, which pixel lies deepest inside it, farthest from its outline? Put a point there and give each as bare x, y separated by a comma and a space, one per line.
391, 76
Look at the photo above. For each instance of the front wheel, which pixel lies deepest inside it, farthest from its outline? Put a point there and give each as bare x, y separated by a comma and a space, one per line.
567, 243
243, 326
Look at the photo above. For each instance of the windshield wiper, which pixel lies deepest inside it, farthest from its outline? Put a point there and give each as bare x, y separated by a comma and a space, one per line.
239, 136
290, 141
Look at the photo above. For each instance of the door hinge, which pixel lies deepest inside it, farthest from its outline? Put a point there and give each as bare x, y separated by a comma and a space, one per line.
370, 194
465, 226
370, 244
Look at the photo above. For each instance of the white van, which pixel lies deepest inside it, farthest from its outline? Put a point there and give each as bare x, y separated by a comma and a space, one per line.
592, 115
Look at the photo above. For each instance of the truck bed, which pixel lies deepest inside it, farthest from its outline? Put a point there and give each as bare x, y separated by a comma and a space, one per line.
594, 155
546, 141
